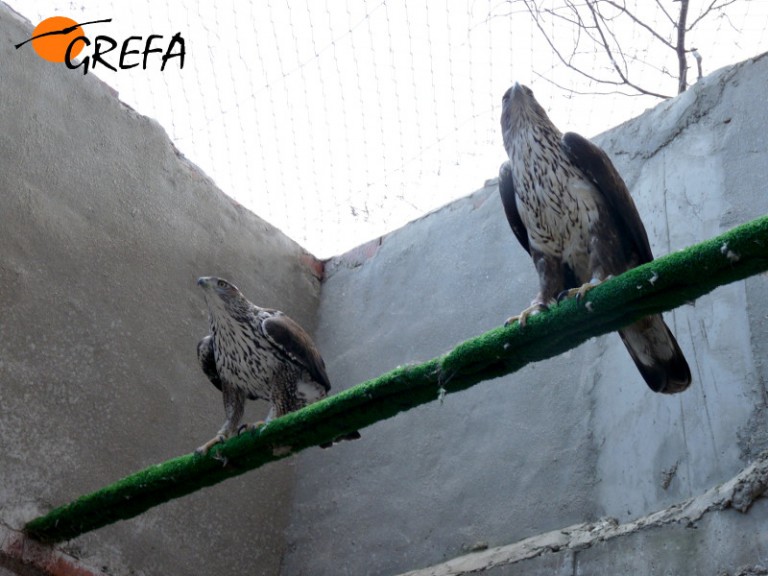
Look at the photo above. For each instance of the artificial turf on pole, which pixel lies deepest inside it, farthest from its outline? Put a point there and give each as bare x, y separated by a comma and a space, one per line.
658, 286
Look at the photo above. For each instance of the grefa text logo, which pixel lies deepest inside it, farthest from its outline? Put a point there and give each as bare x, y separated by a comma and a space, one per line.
61, 39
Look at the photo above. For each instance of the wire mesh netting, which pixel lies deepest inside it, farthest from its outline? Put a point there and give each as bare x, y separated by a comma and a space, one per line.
338, 121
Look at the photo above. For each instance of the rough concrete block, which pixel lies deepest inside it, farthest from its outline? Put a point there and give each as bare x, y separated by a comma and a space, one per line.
719, 543
105, 228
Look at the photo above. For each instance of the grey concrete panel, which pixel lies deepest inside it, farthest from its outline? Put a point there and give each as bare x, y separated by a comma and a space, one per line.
719, 544
105, 228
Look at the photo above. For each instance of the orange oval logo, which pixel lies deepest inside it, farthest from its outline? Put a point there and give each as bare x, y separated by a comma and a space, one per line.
57, 32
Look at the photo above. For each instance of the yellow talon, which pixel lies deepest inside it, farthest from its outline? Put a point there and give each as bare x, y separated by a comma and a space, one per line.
522, 318
581, 291
249, 427
218, 439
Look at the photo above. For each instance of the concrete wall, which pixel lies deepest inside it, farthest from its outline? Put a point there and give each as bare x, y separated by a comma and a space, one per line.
104, 229
569, 440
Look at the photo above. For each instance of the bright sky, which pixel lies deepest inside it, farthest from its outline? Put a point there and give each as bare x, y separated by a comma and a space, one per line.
339, 121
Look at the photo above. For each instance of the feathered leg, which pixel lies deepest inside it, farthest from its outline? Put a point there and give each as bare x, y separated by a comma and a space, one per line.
550, 285
234, 406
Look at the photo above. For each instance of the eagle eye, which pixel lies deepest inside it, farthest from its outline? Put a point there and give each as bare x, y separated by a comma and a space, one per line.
221, 284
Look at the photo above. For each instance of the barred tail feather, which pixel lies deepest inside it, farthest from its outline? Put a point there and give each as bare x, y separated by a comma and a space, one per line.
657, 355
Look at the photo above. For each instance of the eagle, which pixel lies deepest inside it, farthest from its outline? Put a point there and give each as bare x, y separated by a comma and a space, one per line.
257, 353
571, 211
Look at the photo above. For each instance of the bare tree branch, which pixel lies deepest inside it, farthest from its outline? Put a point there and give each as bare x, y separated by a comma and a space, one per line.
559, 55
599, 27
613, 60
555, 14
667, 14
619, 48
682, 61
711, 8
642, 24
654, 65
668, 74
591, 92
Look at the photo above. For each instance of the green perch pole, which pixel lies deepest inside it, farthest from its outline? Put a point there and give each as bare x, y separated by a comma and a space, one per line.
661, 285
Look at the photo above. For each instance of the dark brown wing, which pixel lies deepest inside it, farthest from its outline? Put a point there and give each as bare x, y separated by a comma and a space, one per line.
596, 165
293, 341
207, 360
507, 193
649, 341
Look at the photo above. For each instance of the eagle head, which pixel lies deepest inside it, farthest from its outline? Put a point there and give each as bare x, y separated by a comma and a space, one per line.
520, 113
221, 294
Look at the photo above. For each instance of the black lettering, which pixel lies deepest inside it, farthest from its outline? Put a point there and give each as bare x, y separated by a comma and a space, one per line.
98, 52
68, 55
124, 52
148, 50
177, 39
